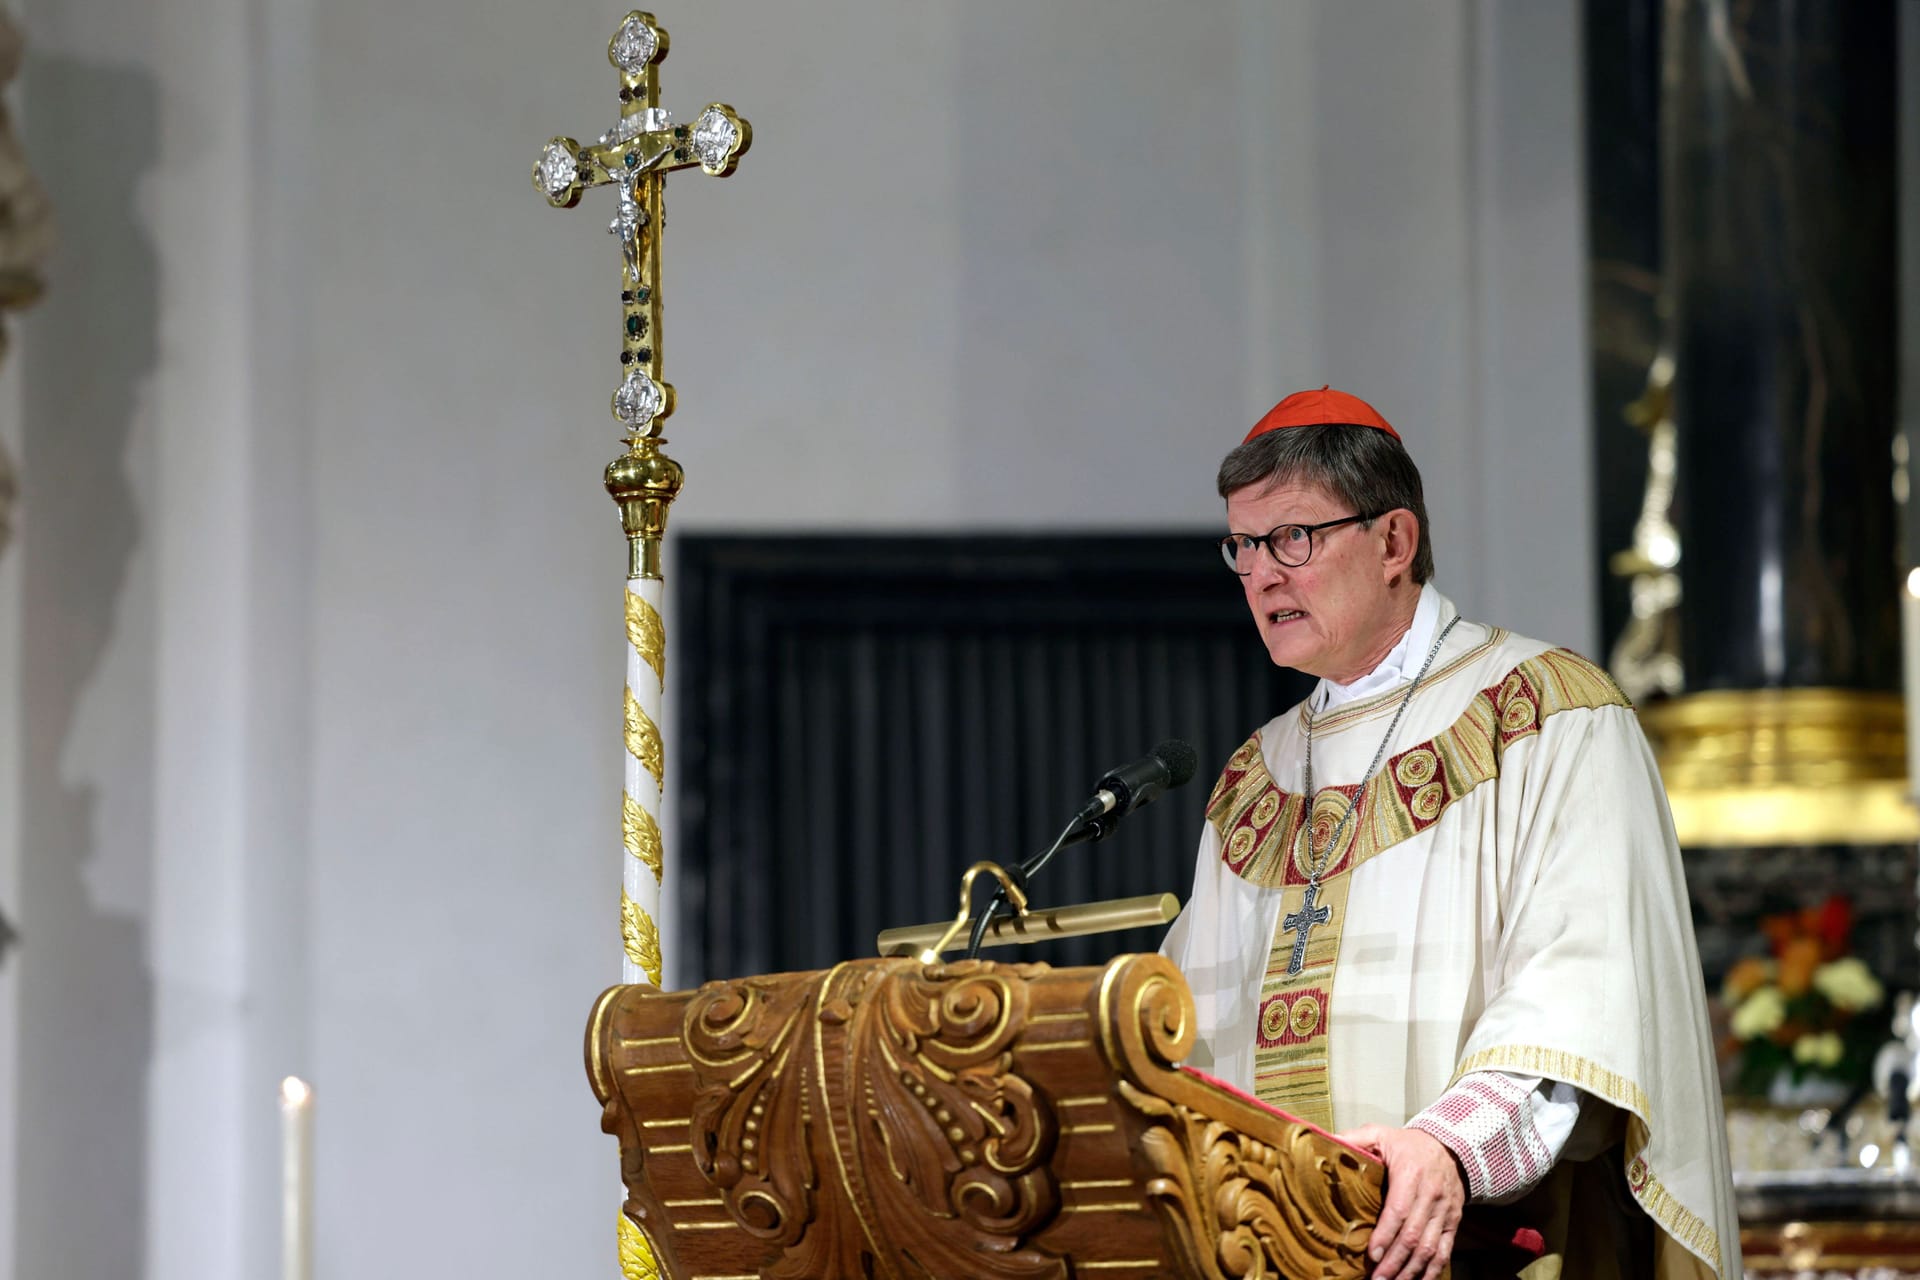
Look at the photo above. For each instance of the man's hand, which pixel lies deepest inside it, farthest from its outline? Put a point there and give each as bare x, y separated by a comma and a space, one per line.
1425, 1195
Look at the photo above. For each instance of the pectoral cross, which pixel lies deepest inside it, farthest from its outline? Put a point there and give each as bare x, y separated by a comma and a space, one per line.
1300, 923
634, 157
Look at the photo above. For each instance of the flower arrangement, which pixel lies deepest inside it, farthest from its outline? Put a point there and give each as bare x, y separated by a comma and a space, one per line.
1795, 1012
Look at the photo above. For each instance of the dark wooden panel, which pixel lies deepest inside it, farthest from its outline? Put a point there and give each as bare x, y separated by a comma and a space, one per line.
860, 718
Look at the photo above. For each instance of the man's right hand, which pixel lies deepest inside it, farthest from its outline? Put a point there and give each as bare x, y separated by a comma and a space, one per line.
1426, 1195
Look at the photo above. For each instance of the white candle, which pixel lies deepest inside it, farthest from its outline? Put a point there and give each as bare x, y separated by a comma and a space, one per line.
296, 1179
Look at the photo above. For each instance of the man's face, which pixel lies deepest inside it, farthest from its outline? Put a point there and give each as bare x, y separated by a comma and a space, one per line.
1333, 616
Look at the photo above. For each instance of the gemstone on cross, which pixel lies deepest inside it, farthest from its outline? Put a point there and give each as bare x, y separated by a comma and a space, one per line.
1300, 922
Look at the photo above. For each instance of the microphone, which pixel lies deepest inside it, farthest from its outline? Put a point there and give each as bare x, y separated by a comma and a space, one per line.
1117, 794
1133, 785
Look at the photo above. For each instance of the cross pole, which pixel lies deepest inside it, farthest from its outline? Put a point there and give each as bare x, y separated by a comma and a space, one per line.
634, 158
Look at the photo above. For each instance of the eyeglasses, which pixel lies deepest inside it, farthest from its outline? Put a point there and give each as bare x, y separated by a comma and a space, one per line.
1290, 545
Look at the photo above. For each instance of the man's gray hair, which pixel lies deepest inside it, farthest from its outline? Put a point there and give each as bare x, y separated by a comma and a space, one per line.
1364, 467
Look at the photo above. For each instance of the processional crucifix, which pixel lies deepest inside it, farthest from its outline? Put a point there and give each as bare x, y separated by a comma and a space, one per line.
634, 158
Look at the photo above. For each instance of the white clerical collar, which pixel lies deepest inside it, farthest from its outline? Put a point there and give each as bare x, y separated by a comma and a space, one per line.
1393, 668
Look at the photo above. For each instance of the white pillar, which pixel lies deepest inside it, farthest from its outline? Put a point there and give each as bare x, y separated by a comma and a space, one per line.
201, 201
173, 753
10, 829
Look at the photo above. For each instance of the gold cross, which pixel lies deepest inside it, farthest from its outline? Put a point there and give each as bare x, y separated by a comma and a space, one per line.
634, 158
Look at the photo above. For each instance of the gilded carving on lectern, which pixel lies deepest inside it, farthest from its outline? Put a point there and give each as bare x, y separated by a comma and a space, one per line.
1232, 1204
1236, 1206
930, 1105
895, 1119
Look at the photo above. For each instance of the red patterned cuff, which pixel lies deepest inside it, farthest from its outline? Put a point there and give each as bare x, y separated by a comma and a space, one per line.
1486, 1120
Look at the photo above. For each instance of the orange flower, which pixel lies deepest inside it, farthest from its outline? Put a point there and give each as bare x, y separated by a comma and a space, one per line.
1780, 930
1748, 974
1797, 962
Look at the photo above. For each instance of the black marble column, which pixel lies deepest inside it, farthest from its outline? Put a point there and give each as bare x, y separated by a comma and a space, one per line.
1623, 265
1779, 178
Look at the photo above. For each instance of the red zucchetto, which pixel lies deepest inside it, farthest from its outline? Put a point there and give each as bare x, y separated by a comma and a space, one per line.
1312, 408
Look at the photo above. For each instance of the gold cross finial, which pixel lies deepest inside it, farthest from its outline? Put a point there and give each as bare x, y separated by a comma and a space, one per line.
633, 157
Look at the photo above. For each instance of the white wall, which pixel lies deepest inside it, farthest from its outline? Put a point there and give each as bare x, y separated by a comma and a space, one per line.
317, 598
10, 832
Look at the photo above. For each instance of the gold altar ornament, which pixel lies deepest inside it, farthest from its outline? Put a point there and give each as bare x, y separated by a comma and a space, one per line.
1784, 766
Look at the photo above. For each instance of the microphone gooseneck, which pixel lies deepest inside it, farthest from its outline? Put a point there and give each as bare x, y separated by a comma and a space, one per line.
1119, 792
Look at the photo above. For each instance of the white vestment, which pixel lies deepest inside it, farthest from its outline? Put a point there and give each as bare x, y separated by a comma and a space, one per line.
1507, 897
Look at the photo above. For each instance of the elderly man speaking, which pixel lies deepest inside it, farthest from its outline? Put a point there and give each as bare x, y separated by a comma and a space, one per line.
1439, 905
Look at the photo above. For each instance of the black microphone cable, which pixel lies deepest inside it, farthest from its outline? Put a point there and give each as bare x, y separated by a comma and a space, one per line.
1020, 873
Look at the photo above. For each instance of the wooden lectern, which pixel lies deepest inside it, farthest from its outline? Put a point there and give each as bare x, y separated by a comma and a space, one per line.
892, 1119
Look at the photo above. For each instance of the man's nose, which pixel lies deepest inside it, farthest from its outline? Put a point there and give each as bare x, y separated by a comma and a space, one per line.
1267, 571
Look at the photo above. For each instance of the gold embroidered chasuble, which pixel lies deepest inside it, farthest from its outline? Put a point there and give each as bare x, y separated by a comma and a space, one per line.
1507, 896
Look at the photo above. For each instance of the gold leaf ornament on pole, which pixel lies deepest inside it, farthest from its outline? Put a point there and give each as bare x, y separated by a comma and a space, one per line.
640, 939
642, 836
636, 1255
648, 635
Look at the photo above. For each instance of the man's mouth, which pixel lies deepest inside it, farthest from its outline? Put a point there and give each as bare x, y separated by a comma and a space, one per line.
1285, 615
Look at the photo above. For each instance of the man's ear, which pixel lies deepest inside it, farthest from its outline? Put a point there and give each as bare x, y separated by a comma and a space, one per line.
1399, 542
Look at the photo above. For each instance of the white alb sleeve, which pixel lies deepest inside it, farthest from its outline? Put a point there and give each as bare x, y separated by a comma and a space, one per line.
1506, 1130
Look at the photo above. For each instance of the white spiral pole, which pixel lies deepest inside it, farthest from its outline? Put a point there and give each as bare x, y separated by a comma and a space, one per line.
645, 783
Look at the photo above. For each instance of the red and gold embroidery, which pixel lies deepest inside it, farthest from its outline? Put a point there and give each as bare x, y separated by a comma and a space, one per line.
1260, 825
1291, 1017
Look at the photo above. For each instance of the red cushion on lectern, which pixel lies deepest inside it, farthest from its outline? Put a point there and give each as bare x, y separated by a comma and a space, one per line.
1268, 1107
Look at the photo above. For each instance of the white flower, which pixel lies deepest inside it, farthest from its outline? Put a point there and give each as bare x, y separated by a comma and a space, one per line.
1759, 1013
1821, 1050
1848, 983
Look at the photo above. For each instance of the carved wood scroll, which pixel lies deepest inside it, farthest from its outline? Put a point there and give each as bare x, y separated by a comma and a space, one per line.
890, 1119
